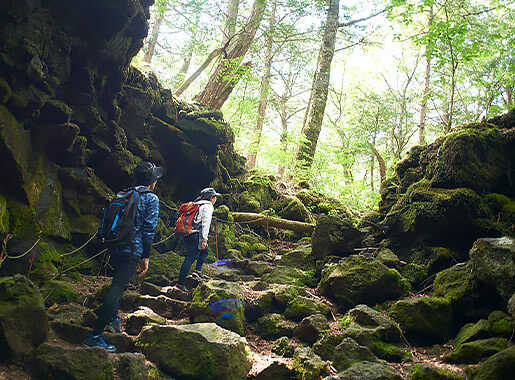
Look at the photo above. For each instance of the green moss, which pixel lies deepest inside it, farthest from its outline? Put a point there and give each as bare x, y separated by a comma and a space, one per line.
283, 347
425, 372
415, 274
22, 221
388, 351
424, 320
59, 292
501, 324
272, 326
5, 91
453, 283
473, 352
4, 216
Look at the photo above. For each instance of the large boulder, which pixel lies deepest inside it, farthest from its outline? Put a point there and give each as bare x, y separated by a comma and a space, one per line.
272, 326
349, 352
310, 328
335, 235
59, 362
424, 320
474, 352
366, 370
511, 305
499, 366
202, 351
359, 279
428, 372
469, 300
141, 317
23, 319
493, 263
221, 302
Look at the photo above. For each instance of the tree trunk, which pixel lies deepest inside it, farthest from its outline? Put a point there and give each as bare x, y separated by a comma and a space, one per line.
264, 91
184, 86
269, 221
230, 22
228, 72
372, 172
316, 109
509, 97
284, 138
150, 46
381, 163
425, 94
189, 49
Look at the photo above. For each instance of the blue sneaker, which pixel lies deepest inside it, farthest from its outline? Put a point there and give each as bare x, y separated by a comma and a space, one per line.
115, 326
98, 341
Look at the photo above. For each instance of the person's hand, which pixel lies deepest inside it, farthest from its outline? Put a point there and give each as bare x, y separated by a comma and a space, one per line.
143, 267
203, 245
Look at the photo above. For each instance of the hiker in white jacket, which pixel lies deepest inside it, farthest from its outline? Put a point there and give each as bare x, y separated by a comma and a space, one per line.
196, 242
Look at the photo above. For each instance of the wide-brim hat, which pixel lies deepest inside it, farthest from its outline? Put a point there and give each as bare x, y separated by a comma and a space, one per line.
209, 193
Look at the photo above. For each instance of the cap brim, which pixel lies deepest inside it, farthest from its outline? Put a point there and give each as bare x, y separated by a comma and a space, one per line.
157, 172
218, 194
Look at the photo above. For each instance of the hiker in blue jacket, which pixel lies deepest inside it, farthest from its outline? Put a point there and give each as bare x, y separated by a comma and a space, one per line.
196, 241
131, 257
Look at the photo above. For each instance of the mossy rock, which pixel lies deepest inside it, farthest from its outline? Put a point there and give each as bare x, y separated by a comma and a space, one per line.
501, 324
23, 319
308, 365
424, 320
499, 366
219, 354
359, 279
59, 292
475, 351
249, 203
367, 370
349, 352
325, 346
441, 258
493, 263
473, 331
4, 216
319, 203
469, 301
283, 347
273, 326
5, 91
428, 372
388, 258
221, 302
415, 274
311, 327
335, 235
293, 209
288, 275
163, 268
300, 257
54, 361
300, 307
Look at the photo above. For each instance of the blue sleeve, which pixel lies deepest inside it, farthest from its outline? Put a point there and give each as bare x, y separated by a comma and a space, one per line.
150, 218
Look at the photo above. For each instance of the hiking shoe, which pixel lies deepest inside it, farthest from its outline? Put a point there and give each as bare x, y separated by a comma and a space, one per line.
98, 341
199, 275
181, 288
115, 326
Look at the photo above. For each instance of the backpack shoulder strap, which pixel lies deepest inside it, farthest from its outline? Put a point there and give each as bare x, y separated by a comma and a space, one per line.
142, 189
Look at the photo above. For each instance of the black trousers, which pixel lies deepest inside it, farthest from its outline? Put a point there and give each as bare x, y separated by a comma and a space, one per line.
192, 253
125, 266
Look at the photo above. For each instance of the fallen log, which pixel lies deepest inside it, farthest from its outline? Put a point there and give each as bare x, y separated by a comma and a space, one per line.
270, 221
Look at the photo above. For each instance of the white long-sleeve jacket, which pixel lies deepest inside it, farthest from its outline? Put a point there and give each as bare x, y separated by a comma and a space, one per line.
203, 218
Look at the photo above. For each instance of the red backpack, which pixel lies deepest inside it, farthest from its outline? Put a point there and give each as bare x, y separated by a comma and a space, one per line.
187, 212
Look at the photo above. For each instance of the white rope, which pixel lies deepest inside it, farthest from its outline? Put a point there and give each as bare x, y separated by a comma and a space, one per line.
82, 246
24, 253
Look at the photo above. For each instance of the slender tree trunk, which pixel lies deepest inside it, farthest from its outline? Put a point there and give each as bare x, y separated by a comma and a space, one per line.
184, 86
264, 91
381, 163
283, 139
150, 46
448, 127
232, 18
509, 96
372, 172
189, 52
425, 94
228, 72
316, 109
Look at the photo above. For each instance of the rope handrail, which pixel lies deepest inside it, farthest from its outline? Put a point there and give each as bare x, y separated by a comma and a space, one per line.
81, 247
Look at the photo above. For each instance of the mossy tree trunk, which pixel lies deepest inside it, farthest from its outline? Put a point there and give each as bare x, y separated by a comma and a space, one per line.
319, 90
229, 70
264, 90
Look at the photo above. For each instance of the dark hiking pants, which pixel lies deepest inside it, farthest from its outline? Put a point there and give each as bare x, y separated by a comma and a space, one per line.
193, 253
125, 266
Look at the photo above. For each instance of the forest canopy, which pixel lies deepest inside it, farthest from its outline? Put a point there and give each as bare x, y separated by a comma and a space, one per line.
336, 92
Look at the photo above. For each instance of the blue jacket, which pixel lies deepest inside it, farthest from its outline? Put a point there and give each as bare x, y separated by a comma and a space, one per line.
145, 224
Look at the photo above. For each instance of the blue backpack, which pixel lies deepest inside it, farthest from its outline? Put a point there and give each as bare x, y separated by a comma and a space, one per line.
117, 223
